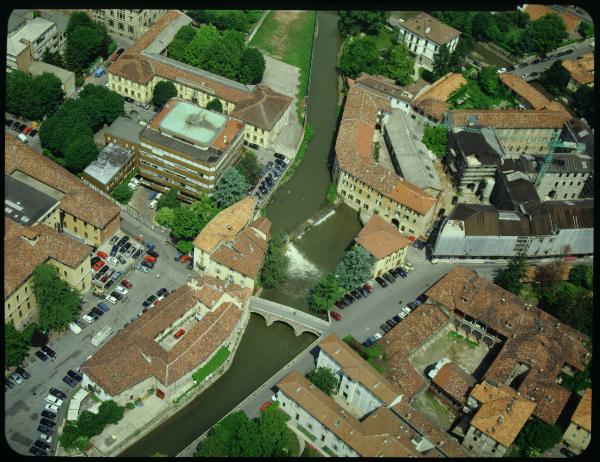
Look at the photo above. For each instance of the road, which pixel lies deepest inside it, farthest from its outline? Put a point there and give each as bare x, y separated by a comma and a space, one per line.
578, 50
24, 402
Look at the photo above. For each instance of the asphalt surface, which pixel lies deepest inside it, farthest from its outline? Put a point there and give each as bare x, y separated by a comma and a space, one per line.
24, 403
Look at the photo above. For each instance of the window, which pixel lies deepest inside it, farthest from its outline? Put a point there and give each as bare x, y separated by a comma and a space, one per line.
65, 272
309, 426
297, 416
322, 437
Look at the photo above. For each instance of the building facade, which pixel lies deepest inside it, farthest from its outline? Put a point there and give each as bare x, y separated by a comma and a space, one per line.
579, 432
67, 78
30, 43
127, 23
112, 166
424, 35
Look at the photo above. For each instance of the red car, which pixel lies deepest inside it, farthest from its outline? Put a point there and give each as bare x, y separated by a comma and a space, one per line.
126, 283
340, 304
102, 254
368, 287
150, 259
98, 265
335, 315
184, 258
179, 333
263, 407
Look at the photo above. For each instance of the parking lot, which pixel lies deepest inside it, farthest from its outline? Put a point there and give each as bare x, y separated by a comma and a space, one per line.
15, 129
272, 173
24, 402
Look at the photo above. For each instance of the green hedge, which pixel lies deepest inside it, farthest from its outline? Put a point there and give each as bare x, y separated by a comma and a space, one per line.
212, 365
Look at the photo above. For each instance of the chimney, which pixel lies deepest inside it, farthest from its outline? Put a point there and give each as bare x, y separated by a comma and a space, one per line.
337, 423
224, 139
298, 389
428, 30
503, 300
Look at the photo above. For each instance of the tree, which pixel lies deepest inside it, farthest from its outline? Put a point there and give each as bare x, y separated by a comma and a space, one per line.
555, 79
69, 435
354, 22
355, 268
79, 19
489, 80
225, 57
185, 223
584, 102
58, 303
89, 424
550, 274
205, 209
272, 433
325, 293
83, 47
123, 193
538, 435
275, 266
571, 304
230, 188
164, 216
15, 345
482, 22
185, 246
181, 40
582, 275
249, 167
546, 33
252, 66
442, 62
399, 64
586, 29
103, 106
33, 97
168, 200
215, 105
38, 339
324, 379
109, 412
163, 92
435, 139
80, 153
360, 55
200, 47
511, 277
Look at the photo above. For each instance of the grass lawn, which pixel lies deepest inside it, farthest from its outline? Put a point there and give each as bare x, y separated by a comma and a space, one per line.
212, 365
529, 294
293, 445
384, 38
471, 96
288, 36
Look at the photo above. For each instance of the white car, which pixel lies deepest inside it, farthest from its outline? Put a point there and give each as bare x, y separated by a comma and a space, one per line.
111, 299
142, 268
402, 314
46, 438
158, 196
407, 267
406, 310
130, 251
16, 378
153, 204
87, 319
113, 261
54, 400
51, 408
377, 335
122, 290
501, 70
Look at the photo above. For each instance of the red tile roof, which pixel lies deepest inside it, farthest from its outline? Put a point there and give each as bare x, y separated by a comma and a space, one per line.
433, 100
583, 413
454, 381
536, 11
526, 91
380, 238
510, 118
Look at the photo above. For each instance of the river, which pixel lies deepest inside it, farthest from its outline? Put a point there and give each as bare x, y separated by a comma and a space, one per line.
264, 350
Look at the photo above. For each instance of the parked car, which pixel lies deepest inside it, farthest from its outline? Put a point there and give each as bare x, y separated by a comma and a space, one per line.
137, 253
109, 283
161, 292
121, 290
113, 240
42, 445
69, 381
123, 240
397, 318
534, 74
349, 298
54, 400
113, 261
87, 318
22, 127
385, 328
9, 122
152, 253
103, 270
368, 287
381, 281
279, 156
102, 254
341, 304
142, 268
335, 315
112, 299
389, 278
411, 305
116, 295
74, 375
454, 200
103, 306
128, 99
126, 283
422, 298
49, 351
121, 260
369, 341
23, 373
363, 291
124, 247
129, 252
98, 312
179, 333
149, 301
46, 438
41, 355
49, 414
37, 451
8, 382
356, 294
16, 124
16, 378
391, 323
406, 310
59, 394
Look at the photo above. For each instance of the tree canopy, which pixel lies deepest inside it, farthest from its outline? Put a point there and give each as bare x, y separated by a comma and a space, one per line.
32, 98
546, 33
355, 268
215, 105
86, 40
164, 216
489, 80
185, 223
584, 102
571, 304
183, 37
511, 277
15, 345
230, 188
239, 20
399, 64
249, 167
582, 275
360, 55
79, 154
185, 246
163, 92
252, 66
275, 266
168, 200
325, 293
537, 436
435, 139
123, 193
556, 78
58, 302
324, 379
368, 22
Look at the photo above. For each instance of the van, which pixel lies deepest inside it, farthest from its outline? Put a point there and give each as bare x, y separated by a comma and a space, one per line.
152, 204
23, 138
74, 328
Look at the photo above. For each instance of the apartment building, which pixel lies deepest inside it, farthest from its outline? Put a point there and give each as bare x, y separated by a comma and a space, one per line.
579, 432
125, 132
146, 355
365, 185
30, 43
581, 71
83, 214
27, 247
187, 147
424, 35
500, 415
232, 246
144, 64
383, 241
127, 23
113, 165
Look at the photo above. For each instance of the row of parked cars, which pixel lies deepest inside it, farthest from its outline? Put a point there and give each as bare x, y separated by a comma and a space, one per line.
47, 423
392, 275
272, 171
21, 128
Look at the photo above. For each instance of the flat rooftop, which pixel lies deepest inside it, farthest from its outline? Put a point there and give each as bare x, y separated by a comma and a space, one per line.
109, 163
24, 204
193, 124
125, 129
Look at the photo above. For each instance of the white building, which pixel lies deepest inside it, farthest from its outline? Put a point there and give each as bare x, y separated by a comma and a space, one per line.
424, 35
30, 43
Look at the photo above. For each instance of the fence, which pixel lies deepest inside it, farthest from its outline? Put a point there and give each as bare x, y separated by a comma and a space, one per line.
256, 26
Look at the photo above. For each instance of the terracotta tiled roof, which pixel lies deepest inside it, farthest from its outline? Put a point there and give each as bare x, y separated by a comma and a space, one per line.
430, 28
133, 355
22, 253
583, 413
245, 254
226, 225
78, 200
354, 147
263, 224
502, 413
433, 100
412, 332
380, 238
260, 107
581, 69
536, 11
510, 118
454, 381
380, 434
526, 91
388, 86
232, 128
533, 337
358, 369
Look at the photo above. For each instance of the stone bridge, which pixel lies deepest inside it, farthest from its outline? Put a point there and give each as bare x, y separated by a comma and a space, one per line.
298, 320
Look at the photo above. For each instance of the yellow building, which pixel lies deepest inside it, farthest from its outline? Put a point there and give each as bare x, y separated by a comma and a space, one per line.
383, 241
127, 23
365, 185
27, 248
83, 213
231, 246
144, 64
579, 432
581, 71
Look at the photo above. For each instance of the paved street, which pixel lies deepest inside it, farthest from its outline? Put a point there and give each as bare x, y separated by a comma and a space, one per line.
24, 402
